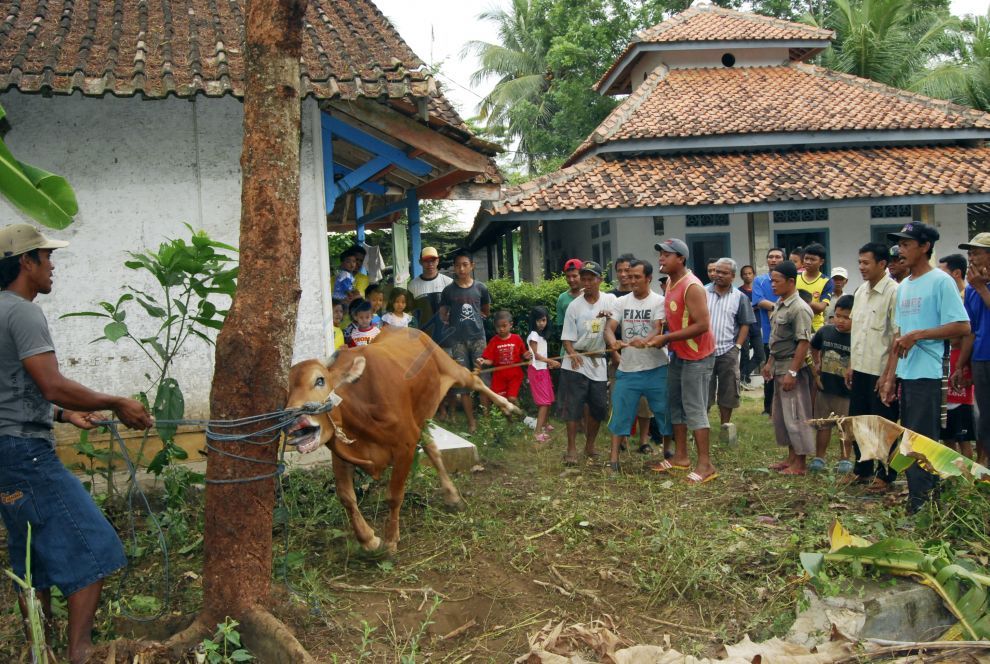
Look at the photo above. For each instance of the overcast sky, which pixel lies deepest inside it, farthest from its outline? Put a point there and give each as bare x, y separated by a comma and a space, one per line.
438, 29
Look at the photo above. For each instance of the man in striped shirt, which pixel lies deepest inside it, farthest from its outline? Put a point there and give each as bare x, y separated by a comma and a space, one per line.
731, 315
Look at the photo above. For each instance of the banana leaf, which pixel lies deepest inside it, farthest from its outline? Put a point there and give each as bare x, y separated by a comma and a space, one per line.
875, 435
962, 588
45, 197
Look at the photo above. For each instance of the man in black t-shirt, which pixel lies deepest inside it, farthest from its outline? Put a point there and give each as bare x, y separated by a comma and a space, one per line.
830, 351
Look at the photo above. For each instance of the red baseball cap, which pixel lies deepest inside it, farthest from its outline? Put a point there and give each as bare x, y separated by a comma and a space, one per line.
573, 264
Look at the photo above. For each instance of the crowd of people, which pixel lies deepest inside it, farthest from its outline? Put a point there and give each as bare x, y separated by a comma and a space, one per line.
664, 347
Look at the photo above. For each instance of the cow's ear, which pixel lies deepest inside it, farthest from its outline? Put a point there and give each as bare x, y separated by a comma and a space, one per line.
354, 371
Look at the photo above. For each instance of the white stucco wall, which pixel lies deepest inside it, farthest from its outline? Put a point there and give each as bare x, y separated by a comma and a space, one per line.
140, 169
745, 57
848, 229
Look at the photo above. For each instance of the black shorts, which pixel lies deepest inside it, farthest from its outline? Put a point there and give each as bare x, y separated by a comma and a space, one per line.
578, 391
959, 425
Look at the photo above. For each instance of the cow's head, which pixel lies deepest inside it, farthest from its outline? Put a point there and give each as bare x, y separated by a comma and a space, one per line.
312, 385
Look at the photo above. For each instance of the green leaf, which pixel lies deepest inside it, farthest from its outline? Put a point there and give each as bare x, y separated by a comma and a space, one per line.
43, 196
94, 314
169, 405
115, 331
153, 311
241, 656
812, 563
234, 637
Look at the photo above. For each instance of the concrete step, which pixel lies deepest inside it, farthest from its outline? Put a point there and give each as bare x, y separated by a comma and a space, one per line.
459, 455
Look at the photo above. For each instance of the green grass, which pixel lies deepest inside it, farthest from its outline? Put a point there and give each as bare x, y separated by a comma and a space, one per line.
538, 543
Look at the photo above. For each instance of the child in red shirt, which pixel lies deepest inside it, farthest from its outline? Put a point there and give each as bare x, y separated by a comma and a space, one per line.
504, 349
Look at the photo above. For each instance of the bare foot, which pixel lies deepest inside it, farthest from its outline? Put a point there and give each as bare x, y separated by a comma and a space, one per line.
683, 462
793, 471
780, 465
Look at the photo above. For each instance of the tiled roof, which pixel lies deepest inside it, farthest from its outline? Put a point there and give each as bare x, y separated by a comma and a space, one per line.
742, 178
758, 100
183, 48
713, 23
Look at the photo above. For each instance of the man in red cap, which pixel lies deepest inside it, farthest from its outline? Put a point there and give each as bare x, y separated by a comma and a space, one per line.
572, 272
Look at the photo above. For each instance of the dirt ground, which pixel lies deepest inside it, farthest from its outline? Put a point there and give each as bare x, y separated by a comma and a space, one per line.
700, 565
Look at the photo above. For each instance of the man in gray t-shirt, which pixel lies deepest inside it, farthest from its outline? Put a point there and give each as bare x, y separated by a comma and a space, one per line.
73, 546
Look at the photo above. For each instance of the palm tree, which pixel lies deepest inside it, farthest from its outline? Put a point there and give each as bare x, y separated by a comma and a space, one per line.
517, 103
889, 41
965, 79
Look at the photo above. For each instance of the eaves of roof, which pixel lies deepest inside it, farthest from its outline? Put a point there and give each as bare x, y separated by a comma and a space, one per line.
673, 184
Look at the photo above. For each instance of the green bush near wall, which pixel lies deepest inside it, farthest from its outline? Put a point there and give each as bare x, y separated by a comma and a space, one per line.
519, 299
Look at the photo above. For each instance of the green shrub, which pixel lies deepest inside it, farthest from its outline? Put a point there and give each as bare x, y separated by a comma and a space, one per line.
519, 299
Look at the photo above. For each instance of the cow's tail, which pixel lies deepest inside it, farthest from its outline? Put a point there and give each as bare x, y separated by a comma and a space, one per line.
344, 452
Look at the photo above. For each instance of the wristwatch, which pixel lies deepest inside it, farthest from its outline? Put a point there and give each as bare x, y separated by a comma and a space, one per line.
792, 373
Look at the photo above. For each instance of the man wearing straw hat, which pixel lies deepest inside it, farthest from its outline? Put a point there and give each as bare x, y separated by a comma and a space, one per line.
73, 546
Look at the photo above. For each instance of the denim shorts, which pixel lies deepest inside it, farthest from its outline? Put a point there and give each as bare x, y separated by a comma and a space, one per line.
72, 543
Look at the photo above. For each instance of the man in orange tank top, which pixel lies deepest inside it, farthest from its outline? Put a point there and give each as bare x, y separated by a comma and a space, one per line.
692, 360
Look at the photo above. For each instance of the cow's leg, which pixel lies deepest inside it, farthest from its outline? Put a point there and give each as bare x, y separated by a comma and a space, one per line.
472, 381
451, 497
396, 494
343, 472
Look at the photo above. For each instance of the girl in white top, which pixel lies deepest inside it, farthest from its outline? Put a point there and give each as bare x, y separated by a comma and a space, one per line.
538, 371
398, 301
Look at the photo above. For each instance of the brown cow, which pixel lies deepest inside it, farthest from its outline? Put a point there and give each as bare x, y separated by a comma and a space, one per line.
377, 423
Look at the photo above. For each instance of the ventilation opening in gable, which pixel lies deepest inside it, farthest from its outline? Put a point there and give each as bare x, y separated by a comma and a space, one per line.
728, 59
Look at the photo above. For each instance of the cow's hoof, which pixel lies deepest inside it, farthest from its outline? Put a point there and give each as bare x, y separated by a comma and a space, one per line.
391, 548
455, 505
374, 545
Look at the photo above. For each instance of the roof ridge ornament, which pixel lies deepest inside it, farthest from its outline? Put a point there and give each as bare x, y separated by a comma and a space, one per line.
702, 4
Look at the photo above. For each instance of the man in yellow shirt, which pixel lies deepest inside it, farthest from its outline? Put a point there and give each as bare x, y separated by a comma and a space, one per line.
815, 283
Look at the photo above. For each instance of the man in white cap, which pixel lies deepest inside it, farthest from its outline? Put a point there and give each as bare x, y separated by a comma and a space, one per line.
73, 546
840, 279
426, 290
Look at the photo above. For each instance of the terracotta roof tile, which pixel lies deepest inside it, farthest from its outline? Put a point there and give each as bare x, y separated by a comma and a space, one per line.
713, 23
740, 178
753, 100
163, 47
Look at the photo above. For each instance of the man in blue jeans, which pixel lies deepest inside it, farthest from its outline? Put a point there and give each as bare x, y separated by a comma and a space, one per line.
73, 547
928, 311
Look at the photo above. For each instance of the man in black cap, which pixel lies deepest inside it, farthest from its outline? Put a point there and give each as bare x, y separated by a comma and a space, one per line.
897, 269
929, 311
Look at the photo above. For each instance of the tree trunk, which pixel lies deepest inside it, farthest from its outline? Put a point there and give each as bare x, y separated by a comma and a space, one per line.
254, 348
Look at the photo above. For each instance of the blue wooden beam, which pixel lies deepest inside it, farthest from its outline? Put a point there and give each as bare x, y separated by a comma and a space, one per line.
329, 190
358, 213
359, 175
367, 142
416, 242
384, 212
367, 185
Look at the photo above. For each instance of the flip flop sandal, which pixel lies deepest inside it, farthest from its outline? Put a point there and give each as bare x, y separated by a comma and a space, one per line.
780, 465
665, 466
645, 448
695, 478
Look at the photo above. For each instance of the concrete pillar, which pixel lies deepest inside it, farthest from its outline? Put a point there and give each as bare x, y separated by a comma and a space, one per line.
532, 252
760, 240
